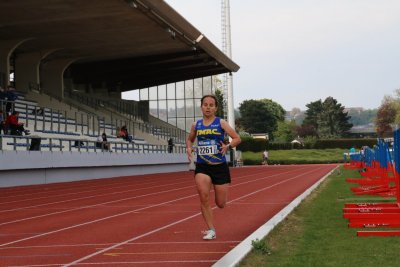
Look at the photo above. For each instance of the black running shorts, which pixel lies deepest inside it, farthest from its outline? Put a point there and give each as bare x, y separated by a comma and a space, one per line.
219, 173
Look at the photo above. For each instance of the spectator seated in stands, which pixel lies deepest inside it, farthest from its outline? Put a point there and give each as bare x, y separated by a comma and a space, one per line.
120, 133
2, 123
79, 143
102, 142
170, 145
123, 133
11, 97
15, 127
38, 111
3, 97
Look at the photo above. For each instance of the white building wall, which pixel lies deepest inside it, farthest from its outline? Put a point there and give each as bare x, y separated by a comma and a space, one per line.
43, 167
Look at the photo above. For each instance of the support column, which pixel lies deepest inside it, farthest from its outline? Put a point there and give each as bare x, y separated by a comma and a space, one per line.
27, 66
6, 49
51, 76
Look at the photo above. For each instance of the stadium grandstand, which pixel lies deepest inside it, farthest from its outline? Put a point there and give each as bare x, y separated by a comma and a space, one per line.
67, 62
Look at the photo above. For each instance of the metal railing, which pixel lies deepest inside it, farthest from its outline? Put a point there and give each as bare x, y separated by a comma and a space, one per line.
130, 108
81, 145
133, 113
90, 124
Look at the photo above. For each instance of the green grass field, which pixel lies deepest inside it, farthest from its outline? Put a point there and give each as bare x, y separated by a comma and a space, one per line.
316, 234
296, 156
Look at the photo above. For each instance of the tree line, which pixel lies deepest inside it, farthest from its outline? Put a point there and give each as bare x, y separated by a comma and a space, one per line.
322, 119
325, 119
388, 115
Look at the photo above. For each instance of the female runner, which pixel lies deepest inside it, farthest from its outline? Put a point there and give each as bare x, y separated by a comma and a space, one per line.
211, 170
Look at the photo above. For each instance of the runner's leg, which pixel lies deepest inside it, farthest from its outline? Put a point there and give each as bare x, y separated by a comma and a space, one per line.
221, 195
204, 184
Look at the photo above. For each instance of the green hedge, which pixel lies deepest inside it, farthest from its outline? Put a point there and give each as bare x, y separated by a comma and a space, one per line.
296, 156
254, 145
345, 143
248, 162
258, 145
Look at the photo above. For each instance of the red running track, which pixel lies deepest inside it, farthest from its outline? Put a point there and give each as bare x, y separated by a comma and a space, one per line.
147, 220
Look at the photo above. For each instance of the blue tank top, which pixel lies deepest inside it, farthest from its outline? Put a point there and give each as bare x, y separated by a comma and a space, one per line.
209, 140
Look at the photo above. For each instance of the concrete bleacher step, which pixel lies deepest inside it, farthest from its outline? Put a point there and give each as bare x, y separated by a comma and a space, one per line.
26, 103
110, 137
58, 132
49, 122
107, 126
52, 122
23, 105
53, 119
23, 143
59, 126
47, 112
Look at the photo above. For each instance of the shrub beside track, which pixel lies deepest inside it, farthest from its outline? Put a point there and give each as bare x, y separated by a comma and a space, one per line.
296, 156
258, 145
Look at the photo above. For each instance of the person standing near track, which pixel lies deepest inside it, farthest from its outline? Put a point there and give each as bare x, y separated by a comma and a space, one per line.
265, 157
211, 171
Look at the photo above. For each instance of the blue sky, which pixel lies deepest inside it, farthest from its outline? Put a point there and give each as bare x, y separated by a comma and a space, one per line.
298, 51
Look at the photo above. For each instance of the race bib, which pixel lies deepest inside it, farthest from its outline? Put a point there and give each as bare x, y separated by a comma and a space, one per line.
207, 150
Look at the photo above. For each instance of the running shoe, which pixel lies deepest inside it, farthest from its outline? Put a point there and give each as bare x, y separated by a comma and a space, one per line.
209, 235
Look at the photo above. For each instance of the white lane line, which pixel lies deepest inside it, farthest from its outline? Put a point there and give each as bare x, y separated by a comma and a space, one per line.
94, 221
124, 213
232, 258
92, 206
129, 244
34, 256
109, 202
99, 185
85, 191
128, 263
130, 240
97, 188
110, 193
175, 223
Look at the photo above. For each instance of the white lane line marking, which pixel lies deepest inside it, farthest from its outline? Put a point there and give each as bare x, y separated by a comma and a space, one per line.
94, 221
125, 213
46, 189
92, 206
88, 191
96, 205
91, 196
34, 256
174, 223
128, 263
129, 244
116, 254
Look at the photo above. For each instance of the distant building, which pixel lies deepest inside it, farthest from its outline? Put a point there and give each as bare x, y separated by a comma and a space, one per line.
354, 109
363, 131
260, 136
297, 115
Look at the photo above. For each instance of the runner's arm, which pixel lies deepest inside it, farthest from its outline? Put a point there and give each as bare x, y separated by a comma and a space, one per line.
232, 134
190, 140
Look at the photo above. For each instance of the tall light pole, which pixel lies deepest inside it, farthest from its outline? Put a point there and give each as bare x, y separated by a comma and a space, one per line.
227, 49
